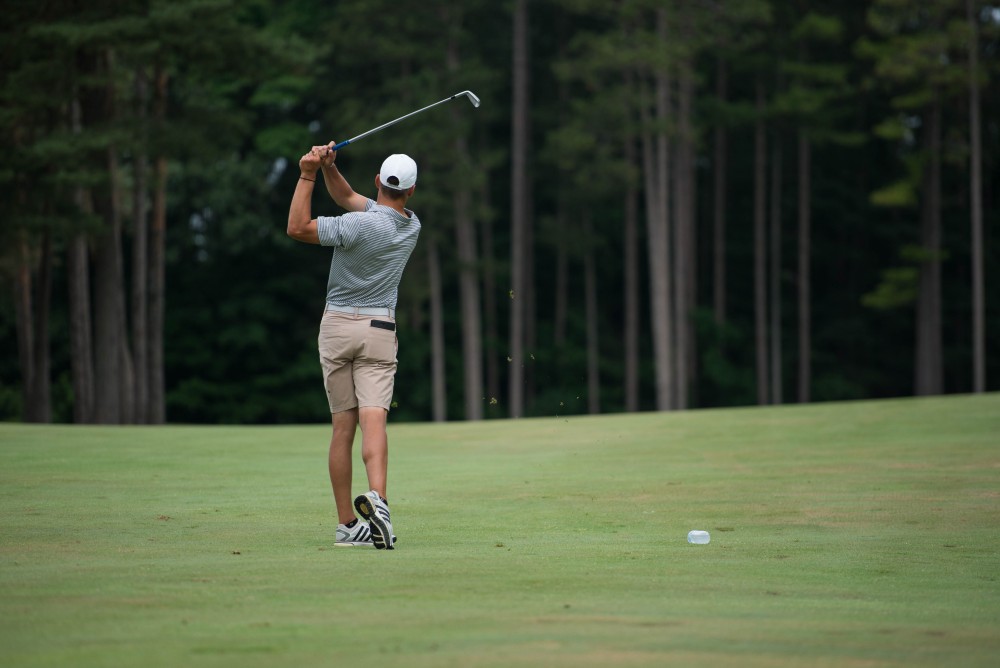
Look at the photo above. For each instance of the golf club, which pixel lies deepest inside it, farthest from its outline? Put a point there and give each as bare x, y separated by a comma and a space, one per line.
468, 93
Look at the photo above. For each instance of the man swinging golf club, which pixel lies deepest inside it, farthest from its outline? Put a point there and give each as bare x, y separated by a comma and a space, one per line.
357, 338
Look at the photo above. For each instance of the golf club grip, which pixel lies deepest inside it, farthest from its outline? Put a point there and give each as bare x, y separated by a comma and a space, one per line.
341, 145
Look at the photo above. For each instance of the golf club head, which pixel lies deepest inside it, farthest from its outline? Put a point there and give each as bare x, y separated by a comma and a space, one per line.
472, 97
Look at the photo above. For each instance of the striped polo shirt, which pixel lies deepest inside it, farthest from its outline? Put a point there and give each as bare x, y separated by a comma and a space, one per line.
370, 250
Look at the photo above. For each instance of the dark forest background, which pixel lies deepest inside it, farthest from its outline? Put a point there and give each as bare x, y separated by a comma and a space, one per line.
659, 205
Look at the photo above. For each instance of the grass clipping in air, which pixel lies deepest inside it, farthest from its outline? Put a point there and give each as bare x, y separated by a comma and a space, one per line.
842, 534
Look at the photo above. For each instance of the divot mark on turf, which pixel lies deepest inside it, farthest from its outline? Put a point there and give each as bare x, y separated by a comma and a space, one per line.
164, 518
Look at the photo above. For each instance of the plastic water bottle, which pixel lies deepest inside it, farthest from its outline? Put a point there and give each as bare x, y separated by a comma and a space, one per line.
699, 537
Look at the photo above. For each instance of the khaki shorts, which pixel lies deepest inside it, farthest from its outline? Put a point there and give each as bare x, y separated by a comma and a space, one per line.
358, 359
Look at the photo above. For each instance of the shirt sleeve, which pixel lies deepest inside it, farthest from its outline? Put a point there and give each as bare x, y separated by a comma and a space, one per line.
341, 231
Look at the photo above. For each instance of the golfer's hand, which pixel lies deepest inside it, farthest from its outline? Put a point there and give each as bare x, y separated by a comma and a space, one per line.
311, 162
327, 155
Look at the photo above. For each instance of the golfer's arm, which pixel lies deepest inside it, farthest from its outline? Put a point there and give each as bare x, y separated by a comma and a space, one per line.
301, 224
340, 190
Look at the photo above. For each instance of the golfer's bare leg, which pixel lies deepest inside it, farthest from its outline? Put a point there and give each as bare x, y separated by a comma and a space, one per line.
345, 423
375, 446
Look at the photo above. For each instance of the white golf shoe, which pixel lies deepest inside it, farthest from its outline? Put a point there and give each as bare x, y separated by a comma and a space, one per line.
359, 535
374, 510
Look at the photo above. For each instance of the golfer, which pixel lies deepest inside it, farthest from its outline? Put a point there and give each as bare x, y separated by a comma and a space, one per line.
357, 336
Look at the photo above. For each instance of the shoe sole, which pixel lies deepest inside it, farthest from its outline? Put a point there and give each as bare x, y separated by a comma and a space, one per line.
379, 530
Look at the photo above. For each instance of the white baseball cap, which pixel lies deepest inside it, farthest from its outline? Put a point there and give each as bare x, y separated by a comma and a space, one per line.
401, 167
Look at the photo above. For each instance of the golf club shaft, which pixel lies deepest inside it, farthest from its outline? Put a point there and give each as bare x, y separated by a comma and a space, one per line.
342, 144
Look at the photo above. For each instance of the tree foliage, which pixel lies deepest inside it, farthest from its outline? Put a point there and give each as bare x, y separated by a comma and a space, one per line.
249, 86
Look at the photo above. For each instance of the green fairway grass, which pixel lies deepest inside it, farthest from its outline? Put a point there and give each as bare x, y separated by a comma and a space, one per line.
853, 534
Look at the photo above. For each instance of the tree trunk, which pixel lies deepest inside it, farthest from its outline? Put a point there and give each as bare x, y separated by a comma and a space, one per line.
78, 279
631, 296
529, 303
656, 170
561, 297
108, 285
125, 368
140, 254
805, 268
439, 394
107, 331
719, 197
684, 231
928, 364
31, 311
658, 250
113, 368
760, 246
39, 408
520, 137
472, 335
157, 413
490, 301
593, 344
23, 315
775, 277
691, 381
466, 246
976, 204
80, 337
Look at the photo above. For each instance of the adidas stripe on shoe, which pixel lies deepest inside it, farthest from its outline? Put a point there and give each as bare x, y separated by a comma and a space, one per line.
360, 535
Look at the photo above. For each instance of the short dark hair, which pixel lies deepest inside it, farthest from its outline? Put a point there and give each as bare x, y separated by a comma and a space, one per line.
392, 193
